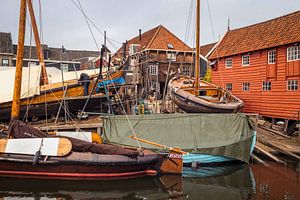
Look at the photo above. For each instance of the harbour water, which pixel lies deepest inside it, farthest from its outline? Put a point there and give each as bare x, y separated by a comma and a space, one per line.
227, 182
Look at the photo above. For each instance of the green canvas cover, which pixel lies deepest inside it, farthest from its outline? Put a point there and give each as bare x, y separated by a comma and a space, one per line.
228, 135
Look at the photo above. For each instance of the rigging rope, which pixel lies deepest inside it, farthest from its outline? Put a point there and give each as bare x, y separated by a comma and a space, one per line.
212, 29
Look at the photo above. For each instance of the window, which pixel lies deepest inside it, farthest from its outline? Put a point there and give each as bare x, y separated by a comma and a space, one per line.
229, 86
245, 60
170, 46
292, 85
64, 67
228, 63
266, 86
272, 57
186, 70
5, 62
293, 53
246, 87
171, 56
153, 69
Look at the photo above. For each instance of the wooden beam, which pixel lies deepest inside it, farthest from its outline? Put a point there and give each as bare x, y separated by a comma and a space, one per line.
197, 47
38, 43
19, 64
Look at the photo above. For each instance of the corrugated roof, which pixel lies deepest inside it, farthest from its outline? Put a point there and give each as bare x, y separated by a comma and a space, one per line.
275, 32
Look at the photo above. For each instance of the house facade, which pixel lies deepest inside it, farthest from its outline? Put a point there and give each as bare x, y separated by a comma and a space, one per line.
261, 65
61, 58
153, 57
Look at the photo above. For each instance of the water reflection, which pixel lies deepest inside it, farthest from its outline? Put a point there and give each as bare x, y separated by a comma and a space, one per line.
227, 182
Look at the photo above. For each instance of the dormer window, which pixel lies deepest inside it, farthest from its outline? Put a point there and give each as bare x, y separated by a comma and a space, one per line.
170, 46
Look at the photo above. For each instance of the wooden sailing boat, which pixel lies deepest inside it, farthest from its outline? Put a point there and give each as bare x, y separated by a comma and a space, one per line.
193, 95
53, 94
70, 158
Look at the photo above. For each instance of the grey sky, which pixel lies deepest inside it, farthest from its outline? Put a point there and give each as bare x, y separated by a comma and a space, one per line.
63, 24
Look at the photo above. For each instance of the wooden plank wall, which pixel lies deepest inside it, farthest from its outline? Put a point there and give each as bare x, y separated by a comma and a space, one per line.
277, 103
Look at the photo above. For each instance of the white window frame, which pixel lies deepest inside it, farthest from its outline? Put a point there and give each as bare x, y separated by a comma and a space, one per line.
292, 85
266, 86
272, 56
246, 87
231, 86
243, 59
227, 63
293, 53
186, 70
5, 59
153, 70
171, 55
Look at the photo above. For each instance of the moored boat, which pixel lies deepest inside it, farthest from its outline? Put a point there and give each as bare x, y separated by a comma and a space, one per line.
209, 98
195, 96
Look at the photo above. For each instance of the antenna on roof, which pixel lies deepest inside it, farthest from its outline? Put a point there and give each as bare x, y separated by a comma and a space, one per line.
104, 38
140, 34
228, 24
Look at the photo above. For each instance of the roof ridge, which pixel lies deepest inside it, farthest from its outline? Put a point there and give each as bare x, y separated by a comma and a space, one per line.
269, 20
154, 36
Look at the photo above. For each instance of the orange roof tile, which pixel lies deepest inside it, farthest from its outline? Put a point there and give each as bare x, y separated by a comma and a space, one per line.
275, 32
157, 38
205, 49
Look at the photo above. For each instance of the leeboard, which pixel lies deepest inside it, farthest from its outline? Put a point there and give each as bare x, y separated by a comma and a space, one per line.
29, 146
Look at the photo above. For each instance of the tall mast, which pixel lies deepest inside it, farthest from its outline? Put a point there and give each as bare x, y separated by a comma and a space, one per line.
15, 111
38, 43
197, 60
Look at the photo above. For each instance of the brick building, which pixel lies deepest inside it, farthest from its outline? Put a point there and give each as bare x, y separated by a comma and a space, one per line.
149, 56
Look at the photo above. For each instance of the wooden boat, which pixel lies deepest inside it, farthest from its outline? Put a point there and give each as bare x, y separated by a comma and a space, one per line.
81, 160
196, 96
68, 93
209, 99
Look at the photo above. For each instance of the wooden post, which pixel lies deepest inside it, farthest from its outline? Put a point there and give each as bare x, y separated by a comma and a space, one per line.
19, 64
197, 65
38, 43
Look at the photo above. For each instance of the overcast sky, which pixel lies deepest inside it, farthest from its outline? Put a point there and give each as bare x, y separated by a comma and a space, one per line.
64, 24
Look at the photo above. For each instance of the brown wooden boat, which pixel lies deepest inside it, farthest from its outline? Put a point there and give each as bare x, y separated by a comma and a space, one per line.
52, 96
209, 98
193, 95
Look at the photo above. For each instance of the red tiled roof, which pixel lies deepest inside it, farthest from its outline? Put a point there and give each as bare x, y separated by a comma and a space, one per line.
205, 49
275, 32
157, 38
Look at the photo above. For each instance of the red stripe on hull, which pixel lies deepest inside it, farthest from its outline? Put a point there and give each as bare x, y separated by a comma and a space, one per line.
77, 176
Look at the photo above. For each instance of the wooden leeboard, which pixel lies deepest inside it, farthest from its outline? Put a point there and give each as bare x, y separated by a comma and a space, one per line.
29, 146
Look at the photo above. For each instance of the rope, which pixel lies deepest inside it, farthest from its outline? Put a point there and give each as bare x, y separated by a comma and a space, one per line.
213, 33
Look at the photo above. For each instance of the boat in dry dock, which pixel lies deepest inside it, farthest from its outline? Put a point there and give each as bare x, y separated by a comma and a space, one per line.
193, 95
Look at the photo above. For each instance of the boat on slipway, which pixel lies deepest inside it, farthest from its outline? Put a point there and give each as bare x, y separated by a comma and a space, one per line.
193, 95
207, 139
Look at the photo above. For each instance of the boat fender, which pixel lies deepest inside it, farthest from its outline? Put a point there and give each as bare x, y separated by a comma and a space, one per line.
36, 157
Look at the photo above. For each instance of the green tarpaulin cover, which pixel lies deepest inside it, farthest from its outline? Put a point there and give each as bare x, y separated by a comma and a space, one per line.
228, 135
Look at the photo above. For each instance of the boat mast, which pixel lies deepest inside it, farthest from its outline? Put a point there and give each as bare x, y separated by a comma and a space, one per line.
197, 60
15, 111
38, 43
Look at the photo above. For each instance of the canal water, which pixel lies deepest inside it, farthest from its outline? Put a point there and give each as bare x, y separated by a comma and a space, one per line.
209, 183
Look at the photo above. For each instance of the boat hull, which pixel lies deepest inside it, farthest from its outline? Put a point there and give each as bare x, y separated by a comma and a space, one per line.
80, 166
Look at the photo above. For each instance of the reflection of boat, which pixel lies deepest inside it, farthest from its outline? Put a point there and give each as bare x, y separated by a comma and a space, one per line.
68, 158
209, 99
234, 180
196, 96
